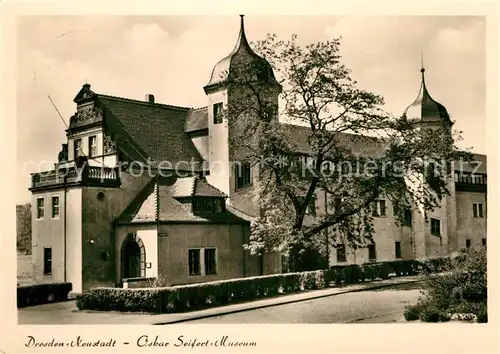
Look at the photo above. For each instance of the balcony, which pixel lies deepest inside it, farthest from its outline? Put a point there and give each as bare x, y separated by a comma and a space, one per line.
76, 176
468, 182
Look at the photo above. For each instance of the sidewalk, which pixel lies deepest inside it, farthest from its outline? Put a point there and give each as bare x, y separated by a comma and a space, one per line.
68, 313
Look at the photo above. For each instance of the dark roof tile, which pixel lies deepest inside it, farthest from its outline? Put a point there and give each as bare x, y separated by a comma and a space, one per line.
197, 120
360, 144
160, 196
145, 130
477, 166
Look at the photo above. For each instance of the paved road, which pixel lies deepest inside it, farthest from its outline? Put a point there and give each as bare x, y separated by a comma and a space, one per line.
370, 306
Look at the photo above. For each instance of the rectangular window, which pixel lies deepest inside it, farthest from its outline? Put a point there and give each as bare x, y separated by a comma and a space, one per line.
47, 261
78, 148
480, 210
194, 262
379, 208
398, 249
218, 113
218, 205
467, 243
477, 210
40, 208
92, 146
372, 252
341, 256
55, 206
243, 175
483, 242
210, 261
197, 206
408, 218
208, 205
435, 227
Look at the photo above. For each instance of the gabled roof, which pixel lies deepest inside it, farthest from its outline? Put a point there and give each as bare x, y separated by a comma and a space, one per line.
194, 187
144, 130
84, 93
359, 144
241, 214
196, 120
158, 198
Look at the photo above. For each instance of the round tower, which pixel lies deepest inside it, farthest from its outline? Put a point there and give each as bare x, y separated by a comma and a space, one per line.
236, 82
434, 231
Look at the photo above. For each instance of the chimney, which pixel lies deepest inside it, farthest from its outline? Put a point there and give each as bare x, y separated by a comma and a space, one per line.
150, 98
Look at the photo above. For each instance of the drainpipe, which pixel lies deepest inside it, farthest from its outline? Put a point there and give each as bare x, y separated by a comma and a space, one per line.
326, 234
64, 224
245, 251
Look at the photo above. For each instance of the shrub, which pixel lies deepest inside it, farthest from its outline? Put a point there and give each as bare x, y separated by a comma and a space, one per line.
351, 274
383, 271
461, 288
412, 313
159, 282
330, 276
482, 314
116, 299
314, 280
184, 297
38, 294
369, 272
396, 267
337, 274
430, 314
444, 317
409, 267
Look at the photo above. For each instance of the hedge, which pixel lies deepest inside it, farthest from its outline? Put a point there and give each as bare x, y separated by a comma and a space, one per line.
38, 294
217, 293
200, 295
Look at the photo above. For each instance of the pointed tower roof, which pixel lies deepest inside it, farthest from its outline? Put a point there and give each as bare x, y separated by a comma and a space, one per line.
425, 108
230, 66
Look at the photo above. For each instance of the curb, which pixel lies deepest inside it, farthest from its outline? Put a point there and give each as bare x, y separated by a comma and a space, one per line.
278, 303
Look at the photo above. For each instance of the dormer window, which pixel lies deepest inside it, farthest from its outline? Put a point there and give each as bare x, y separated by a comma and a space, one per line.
208, 205
218, 113
92, 146
78, 148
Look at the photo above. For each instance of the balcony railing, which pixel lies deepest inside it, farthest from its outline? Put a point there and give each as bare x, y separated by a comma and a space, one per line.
466, 181
85, 175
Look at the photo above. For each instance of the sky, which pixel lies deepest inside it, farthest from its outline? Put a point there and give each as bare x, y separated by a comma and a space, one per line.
172, 57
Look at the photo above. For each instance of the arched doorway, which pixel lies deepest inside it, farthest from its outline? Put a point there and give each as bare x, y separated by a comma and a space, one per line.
133, 257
